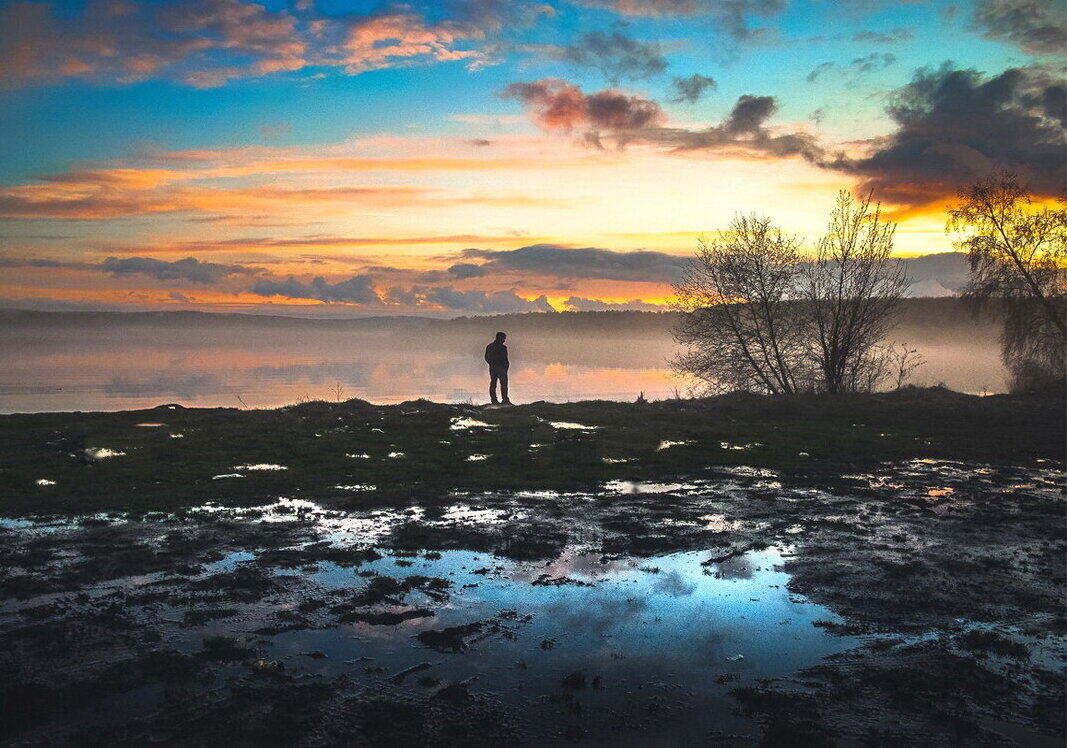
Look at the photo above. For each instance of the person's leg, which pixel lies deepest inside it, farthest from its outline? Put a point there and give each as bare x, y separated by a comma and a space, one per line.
504, 386
492, 386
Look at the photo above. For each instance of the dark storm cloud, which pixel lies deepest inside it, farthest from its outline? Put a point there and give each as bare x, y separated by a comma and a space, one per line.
358, 289
1035, 26
691, 89
954, 125
189, 269
585, 262
616, 56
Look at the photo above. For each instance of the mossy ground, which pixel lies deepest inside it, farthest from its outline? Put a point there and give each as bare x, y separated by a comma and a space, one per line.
800, 436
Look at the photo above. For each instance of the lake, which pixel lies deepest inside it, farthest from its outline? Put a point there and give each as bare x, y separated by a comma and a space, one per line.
66, 362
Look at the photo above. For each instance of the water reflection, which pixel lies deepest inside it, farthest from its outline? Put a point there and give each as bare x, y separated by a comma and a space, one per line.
117, 365
666, 626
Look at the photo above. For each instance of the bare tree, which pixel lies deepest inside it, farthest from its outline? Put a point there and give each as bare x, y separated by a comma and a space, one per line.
853, 291
901, 362
738, 325
1018, 258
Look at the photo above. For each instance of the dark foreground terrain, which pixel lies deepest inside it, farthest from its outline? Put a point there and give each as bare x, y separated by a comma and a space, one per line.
873, 570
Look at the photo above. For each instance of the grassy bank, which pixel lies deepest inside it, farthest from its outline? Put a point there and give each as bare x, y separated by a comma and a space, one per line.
54, 463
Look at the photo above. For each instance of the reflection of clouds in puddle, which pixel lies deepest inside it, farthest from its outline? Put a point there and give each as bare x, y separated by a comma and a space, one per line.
738, 567
264, 466
568, 426
937, 493
471, 515
719, 523
574, 563
631, 628
668, 444
639, 486
673, 584
463, 423
598, 615
102, 453
940, 482
748, 472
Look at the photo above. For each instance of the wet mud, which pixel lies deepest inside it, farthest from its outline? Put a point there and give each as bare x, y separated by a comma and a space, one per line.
919, 603
914, 601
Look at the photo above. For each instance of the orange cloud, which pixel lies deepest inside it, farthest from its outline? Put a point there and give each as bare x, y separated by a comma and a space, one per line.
393, 39
127, 42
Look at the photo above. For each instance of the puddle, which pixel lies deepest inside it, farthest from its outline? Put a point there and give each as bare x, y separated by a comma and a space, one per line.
462, 424
266, 466
621, 635
102, 453
640, 486
591, 615
477, 458
719, 523
568, 426
739, 447
668, 444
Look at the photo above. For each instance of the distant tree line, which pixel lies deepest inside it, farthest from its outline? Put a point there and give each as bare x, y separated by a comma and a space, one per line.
759, 314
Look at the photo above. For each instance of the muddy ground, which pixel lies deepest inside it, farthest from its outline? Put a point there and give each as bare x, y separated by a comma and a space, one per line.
881, 570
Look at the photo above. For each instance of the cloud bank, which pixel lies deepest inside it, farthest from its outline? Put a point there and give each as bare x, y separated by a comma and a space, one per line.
954, 125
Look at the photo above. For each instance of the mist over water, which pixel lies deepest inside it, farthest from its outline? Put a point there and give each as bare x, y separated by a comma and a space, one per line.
63, 362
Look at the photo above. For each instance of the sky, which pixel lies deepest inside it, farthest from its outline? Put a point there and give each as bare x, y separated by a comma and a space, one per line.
483, 156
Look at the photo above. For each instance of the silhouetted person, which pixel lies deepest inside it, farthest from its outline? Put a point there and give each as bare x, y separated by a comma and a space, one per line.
496, 355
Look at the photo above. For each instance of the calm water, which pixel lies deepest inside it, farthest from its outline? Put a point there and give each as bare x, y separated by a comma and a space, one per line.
118, 366
652, 646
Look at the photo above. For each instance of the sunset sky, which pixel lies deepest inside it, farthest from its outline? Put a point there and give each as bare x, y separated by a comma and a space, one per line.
476, 156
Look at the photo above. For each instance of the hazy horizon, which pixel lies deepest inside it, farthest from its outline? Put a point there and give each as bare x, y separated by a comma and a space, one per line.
119, 361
